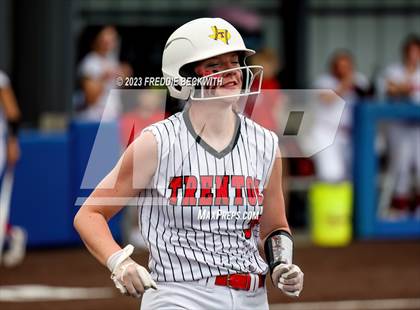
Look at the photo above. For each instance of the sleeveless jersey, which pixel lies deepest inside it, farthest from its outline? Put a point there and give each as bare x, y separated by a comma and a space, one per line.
199, 216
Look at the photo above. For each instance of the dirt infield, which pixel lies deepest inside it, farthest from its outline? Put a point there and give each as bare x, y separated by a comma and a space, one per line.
364, 270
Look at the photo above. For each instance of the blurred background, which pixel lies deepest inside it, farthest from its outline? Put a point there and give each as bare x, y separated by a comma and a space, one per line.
354, 207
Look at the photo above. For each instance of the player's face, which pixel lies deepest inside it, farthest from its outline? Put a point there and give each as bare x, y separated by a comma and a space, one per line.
106, 40
413, 54
343, 67
231, 81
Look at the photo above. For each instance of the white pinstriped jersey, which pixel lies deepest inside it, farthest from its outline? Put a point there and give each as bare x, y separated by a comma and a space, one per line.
199, 216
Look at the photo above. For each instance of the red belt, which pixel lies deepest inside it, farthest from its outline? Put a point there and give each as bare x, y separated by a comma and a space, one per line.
239, 281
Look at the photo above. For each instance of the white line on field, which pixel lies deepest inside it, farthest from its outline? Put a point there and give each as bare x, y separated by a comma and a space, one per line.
374, 304
34, 292
31, 293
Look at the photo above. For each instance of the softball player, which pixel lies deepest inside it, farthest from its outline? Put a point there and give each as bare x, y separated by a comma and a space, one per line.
334, 164
97, 72
402, 81
211, 181
9, 155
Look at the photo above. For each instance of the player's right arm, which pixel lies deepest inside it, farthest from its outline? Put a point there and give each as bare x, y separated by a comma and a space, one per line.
394, 86
398, 89
91, 221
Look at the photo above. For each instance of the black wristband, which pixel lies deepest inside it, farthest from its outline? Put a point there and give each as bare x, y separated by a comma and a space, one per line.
278, 248
13, 127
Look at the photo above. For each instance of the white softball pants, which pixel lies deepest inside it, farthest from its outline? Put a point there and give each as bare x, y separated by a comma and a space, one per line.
405, 157
202, 294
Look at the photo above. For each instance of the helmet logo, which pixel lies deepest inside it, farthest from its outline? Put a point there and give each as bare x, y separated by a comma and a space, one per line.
220, 34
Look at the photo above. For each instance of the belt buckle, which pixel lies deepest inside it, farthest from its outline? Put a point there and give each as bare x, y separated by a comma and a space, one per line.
228, 281
229, 285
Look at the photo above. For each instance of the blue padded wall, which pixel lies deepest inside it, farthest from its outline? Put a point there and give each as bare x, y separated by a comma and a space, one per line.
41, 196
48, 179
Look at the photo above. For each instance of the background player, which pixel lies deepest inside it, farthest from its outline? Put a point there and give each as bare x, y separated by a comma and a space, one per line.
97, 72
402, 82
9, 155
334, 163
204, 158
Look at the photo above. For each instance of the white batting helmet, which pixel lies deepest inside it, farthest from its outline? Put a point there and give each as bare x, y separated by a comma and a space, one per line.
198, 40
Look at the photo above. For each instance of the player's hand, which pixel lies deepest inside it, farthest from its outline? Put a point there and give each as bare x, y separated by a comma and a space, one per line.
129, 277
406, 88
288, 278
132, 279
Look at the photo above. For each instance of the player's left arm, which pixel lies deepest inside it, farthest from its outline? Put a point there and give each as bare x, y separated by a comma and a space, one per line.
12, 115
274, 215
276, 236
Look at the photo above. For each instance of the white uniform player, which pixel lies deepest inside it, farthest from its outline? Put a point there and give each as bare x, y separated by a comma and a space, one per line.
333, 164
97, 72
194, 181
211, 190
9, 154
402, 82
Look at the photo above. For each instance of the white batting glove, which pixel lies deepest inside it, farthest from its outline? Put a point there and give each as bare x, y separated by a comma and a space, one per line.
129, 277
288, 278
